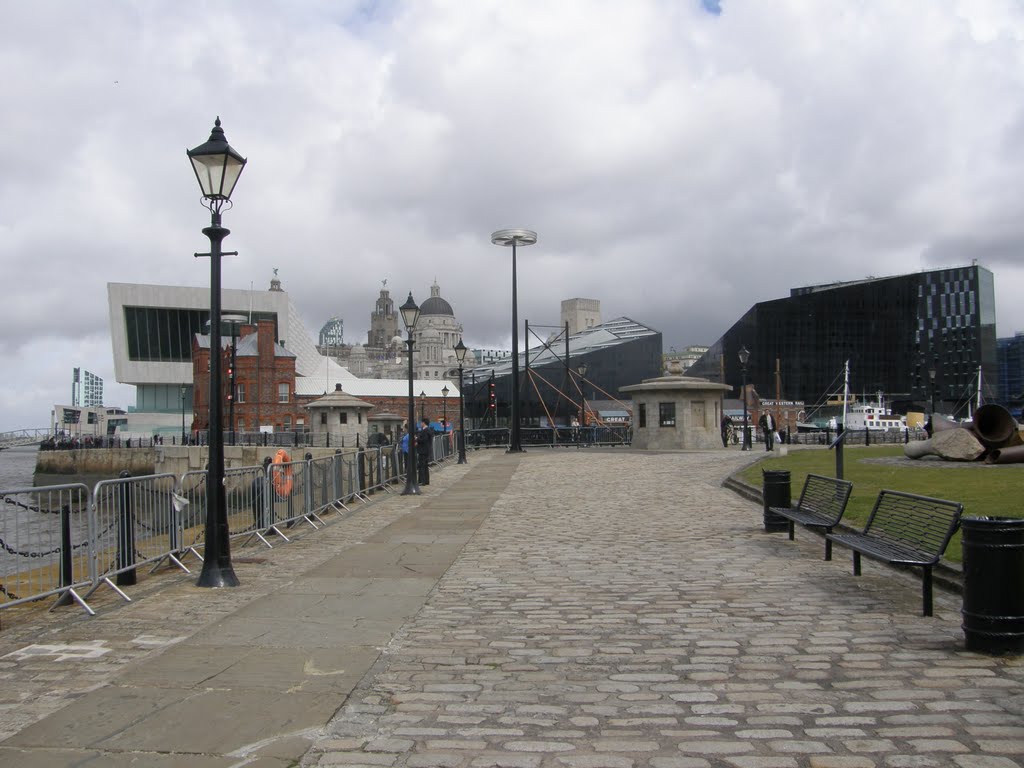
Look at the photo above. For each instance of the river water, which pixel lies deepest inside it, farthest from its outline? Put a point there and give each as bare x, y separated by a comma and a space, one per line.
18, 466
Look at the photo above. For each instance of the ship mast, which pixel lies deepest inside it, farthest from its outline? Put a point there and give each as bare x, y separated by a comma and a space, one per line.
846, 390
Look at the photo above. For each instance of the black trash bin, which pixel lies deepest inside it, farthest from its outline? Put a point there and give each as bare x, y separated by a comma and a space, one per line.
993, 598
776, 493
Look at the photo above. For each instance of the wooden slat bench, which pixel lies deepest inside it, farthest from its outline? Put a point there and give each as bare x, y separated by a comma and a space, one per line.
905, 529
822, 503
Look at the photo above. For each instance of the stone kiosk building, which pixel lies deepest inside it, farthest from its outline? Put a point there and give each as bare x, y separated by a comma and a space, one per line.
674, 412
341, 416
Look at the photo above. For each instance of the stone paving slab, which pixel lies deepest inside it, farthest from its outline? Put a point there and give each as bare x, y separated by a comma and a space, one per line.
249, 674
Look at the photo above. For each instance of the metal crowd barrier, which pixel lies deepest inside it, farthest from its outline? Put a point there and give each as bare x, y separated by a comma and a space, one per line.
39, 529
133, 523
67, 541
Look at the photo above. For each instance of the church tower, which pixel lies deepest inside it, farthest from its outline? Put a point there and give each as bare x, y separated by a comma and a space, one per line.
383, 321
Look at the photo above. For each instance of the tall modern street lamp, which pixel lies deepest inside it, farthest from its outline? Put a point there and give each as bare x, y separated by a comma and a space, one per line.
744, 356
410, 314
581, 369
514, 238
460, 355
183, 392
217, 167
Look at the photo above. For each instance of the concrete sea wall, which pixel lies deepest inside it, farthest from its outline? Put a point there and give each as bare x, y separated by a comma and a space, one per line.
110, 462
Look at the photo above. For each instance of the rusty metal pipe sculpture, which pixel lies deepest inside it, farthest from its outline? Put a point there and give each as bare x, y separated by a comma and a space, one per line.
993, 436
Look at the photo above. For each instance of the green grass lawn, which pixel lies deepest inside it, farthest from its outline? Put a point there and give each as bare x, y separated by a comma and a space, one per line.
983, 490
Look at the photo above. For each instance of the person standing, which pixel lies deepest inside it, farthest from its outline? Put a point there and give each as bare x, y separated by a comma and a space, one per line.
767, 424
424, 442
726, 428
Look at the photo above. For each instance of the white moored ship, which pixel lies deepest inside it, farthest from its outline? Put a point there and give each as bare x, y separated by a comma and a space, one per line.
874, 416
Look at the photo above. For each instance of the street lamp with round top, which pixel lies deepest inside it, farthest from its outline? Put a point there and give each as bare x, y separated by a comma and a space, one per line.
460, 355
183, 391
514, 238
444, 407
744, 356
410, 314
217, 167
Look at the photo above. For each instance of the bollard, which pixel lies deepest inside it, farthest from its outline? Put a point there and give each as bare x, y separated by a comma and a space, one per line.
66, 575
125, 534
776, 493
361, 468
993, 590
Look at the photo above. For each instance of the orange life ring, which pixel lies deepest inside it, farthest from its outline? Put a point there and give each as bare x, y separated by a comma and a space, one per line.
281, 473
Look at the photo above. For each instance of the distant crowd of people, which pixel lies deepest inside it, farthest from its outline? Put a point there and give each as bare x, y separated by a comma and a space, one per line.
71, 443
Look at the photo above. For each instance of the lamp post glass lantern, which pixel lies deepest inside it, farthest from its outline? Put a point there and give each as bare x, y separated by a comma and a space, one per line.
217, 167
423, 404
513, 238
744, 356
460, 355
410, 314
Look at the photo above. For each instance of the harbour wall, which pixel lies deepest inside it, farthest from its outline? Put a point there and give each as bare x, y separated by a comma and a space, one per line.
176, 460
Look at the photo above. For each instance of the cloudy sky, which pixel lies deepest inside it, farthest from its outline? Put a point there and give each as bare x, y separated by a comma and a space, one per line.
679, 159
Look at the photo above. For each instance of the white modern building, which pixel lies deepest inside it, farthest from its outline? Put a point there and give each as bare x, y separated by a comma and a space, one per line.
151, 332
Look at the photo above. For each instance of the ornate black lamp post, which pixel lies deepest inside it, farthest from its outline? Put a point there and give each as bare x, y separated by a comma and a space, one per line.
183, 391
460, 355
931, 387
514, 238
423, 404
444, 407
410, 314
233, 321
744, 356
217, 167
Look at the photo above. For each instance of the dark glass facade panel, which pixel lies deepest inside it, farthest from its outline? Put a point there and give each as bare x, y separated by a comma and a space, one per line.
891, 330
164, 335
1011, 373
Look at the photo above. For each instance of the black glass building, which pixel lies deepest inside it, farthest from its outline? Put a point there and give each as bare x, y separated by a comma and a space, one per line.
893, 331
1011, 373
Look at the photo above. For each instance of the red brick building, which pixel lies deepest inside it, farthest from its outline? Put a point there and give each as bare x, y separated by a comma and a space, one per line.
264, 376
266, 391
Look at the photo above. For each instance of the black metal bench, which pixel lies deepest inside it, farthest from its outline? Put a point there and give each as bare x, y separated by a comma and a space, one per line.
822, 503
905, 529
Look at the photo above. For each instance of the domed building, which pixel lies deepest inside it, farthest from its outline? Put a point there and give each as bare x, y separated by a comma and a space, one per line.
437, 333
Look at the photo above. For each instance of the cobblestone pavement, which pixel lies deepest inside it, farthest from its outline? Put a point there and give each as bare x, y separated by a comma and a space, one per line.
622, 609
